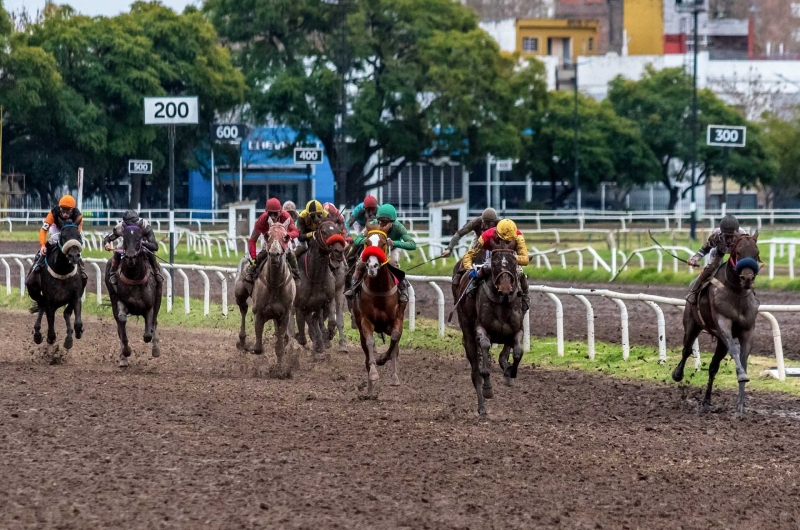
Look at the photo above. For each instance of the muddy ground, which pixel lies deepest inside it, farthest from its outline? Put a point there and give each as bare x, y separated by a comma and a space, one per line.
643, 328
203, 437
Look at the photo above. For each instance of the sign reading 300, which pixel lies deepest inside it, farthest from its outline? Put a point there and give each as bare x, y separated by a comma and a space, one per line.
726, 135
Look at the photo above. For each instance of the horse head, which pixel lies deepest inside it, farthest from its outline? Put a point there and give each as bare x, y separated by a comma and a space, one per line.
376, 251
131, 243
277, 241
503, 264
70, 243
744, 259
329, 243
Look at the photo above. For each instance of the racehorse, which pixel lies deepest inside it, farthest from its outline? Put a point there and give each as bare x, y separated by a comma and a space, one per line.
61, 285
136, 293
376, 307
339, 302
273, 292
494, 315
727, 309
317, 285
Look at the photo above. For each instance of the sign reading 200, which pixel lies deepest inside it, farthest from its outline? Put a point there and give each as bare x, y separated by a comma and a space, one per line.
170, 110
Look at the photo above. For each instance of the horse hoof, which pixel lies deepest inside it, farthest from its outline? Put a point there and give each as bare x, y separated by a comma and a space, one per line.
482, 412
51, 340
706, 406
677, 375
78, 332
509, 381
147, 339
37, 338
394, 381
328, 345
258, 351
123, 362
126, 351
488, 393
743, 378
241, 346
343, 348
373, 374
156, 351
68, 343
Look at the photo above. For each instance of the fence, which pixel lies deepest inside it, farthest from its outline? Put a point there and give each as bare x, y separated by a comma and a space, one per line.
223, 274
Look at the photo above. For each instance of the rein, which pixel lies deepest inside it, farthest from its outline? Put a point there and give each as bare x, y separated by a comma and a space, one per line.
496, 278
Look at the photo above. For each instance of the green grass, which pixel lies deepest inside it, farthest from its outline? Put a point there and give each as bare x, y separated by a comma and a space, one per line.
642, 364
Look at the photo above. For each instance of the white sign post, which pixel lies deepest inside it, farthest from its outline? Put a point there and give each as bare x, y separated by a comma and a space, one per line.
171, 111
308, 156
505, 165
80, 188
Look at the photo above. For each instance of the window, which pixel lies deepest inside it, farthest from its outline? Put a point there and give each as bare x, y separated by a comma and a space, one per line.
591, 44
796, 35
796, 9
530, 44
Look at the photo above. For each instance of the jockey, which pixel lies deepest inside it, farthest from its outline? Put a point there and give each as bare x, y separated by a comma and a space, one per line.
490, 240
397, 238
275, 213
719, 243
488, 219
65, 213
338, 218
363, 214
149, 243
290, 208
307, 222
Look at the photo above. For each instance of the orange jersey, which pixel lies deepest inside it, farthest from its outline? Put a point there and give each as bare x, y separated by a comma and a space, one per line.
49, 221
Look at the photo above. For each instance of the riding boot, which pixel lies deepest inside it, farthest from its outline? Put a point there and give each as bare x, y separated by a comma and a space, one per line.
38, 262
292, 259
156, 268
701, 280
301, 249
402, 292
458, 275
82, 270
357, 279
33, 283
113, 277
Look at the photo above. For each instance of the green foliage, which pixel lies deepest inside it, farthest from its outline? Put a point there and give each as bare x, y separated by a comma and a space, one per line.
660, 103
424, 81
783, 138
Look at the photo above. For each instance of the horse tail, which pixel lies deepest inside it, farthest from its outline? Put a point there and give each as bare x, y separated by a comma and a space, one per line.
34, 309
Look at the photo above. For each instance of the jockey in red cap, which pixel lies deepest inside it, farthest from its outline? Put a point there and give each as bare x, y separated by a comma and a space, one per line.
273, 213
363, 213
336, 217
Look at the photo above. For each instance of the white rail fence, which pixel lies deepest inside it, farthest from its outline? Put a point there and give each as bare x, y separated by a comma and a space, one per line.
224, 274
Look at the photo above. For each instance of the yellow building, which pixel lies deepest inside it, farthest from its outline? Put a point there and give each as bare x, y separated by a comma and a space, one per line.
565, 39
644, 26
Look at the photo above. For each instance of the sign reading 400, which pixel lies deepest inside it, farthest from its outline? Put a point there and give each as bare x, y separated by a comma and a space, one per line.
171, 111
726, 135
307, 155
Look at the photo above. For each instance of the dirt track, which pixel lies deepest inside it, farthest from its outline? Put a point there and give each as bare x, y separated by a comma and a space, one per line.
201, 436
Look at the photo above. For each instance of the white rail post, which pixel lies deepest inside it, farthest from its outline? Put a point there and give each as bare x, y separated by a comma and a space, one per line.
792, 251
412, 308
662, 332
776, 337
98, 274
623, 326
21, 278
206, 292
224, 286
526, 331
559, 323
8, 276
440, 306
589, 324
186, 294
168, 278
771, 261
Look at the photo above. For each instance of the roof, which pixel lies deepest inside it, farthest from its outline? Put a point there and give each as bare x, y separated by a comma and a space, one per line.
727, 27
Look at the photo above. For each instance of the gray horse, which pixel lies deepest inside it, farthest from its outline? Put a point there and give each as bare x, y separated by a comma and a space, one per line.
317, 284
61, 285
338, 305
137, 292
727, 309
493, 314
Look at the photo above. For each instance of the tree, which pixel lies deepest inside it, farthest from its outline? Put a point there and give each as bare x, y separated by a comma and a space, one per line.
105, 67
611, 148
660, 104
783, 137
424, 82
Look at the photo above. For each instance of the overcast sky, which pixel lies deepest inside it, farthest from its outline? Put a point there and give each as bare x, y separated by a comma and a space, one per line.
92, 7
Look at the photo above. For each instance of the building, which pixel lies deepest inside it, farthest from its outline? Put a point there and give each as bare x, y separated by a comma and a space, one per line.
644, 27
564, 39
608, 14
267, 170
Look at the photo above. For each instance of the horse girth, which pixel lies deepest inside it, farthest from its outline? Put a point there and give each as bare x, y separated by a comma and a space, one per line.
143, 280
498, 298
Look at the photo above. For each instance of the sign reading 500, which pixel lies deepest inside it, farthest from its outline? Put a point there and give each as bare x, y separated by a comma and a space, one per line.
170, 111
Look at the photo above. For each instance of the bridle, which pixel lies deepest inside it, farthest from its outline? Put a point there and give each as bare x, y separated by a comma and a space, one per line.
496, 277
132, 229
733, 257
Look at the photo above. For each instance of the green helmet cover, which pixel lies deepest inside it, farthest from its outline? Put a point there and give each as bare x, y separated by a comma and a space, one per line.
387, 210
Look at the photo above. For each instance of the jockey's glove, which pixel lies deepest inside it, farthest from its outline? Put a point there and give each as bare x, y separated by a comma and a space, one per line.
474, 274
310, 235
252, 262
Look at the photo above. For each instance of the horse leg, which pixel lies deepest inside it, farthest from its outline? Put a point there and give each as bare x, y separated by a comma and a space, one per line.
691, 330
156, 342
242, 333
68, 321
281, 326
713, 368
368, 343
37, 328
471, 349
746, 342
258, 349
394, 350
503, 360
725, 327
331, 322
511, 372
148, 325
301, 326
485, 345
340, 322
125, 349
51, 326
316, 330
78, 319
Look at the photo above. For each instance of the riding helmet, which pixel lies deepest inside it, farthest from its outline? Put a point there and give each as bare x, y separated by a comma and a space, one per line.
387, 211
130, 217
314, 207
507, 230
331, 209
273, 205
67, 201
370, 202
289, 206
489, 214
729, 225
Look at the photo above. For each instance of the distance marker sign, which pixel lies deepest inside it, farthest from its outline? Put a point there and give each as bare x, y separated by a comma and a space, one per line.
726, 135
307, 155
140, 167
171, 111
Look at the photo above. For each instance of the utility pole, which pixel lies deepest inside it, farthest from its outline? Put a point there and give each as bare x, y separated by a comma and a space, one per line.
693, 201
575, 122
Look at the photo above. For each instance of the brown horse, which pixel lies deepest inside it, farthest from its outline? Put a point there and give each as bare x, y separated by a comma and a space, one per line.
493, 314
339, 302
317, 284
727, 309
376, 308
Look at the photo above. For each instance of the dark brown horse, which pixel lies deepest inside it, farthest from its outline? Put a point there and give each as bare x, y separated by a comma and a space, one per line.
317, 284
376, 308
136, 293
339, 302
493, 314
727, 309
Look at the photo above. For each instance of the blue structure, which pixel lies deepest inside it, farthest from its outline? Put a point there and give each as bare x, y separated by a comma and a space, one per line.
269, 171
